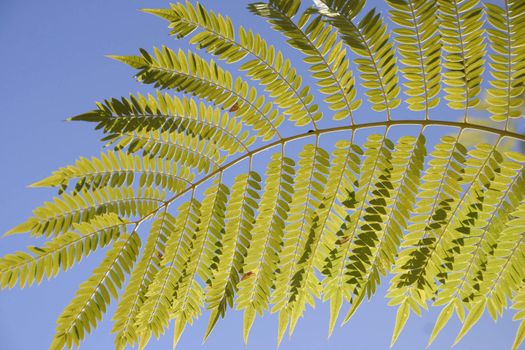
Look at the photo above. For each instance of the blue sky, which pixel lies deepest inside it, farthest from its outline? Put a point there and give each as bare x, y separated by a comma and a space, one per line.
54, 67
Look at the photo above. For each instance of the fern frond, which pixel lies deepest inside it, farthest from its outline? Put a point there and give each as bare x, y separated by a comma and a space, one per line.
168, 113
376, 246
407, 164
443, 249
116, 169
217, 35
505, 267
192, 74
438, 198
240, 216
480, 227
506, 39
461, 23
95, 294
487, 269
304, 284
480, 275
184, 150
482, 165
475, 225
58, 216
457, 243
267, 234
324, 53
341, 179
308, 185
370, 40
420, 49
140, 279
340, 262
61, 252
201, 263
152, 313
369, 227
506, 262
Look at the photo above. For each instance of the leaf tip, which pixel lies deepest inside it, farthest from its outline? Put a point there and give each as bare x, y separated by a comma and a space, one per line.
335, 308
115, 57
283, 325
21, 228
403, 313
214, 317
177, 332
249, 317
151, 11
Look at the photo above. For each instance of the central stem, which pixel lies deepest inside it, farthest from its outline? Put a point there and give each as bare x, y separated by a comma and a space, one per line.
388, 123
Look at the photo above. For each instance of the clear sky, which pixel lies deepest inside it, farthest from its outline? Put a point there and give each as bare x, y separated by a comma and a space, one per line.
53, 67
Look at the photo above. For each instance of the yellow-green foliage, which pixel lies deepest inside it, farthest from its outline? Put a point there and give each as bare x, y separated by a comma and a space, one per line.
272, 216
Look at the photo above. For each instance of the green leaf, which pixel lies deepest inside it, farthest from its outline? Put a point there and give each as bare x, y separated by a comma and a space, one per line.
472, 318
403, 312
520, 335
441, 321
353, 308
335, 306
249, 317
